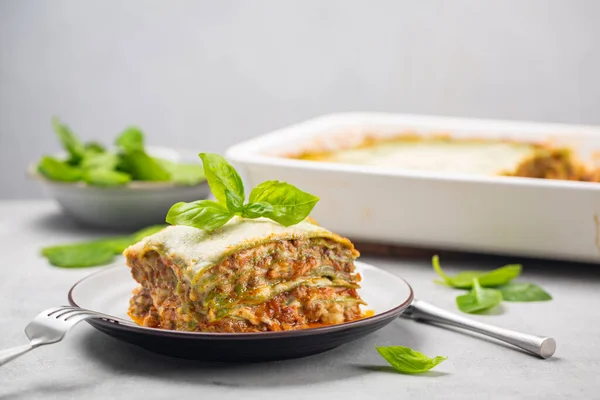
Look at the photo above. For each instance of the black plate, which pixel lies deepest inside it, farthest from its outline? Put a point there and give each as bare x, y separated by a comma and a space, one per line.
108, 291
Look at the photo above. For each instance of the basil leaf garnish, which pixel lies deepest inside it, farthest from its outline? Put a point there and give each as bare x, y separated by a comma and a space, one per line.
256, 210
69, 141
207, 214
290, 204
478, 299
523, 292
223, 180
407, 360
234, 203
464, 279
279, 201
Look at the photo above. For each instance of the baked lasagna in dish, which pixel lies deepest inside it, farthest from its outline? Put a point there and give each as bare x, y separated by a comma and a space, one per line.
443, 153
250, 275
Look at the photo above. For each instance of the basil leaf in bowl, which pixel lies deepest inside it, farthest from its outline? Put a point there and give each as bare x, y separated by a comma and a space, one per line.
105, 177
91, 163
69, 141
58, 170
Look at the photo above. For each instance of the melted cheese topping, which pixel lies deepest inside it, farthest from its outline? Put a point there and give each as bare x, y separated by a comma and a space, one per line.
471, 157
195, 249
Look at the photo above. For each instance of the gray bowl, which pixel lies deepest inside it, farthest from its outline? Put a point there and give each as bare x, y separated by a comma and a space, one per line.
130, 207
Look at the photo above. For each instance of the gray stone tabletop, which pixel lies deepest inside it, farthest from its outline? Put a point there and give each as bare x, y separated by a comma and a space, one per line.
88, 364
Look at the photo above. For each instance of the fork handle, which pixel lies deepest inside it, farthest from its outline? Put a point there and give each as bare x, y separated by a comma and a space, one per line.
541, 346
10, 354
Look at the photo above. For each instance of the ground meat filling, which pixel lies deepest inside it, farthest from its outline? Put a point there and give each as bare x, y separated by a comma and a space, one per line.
283, 285
552, 164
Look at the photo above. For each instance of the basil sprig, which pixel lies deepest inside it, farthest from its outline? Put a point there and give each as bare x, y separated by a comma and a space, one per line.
276, 200
499, 281
204, 214
289, 204
407, 360
224, 181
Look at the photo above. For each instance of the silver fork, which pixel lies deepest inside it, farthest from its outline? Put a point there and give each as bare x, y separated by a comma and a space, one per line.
541, 346
51, 325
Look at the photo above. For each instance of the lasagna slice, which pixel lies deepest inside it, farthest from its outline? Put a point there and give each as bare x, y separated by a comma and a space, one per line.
247, 276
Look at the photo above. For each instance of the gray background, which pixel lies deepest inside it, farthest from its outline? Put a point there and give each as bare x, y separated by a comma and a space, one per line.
205, 75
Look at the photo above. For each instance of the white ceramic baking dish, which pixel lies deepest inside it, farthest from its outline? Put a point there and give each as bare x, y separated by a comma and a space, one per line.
499, 215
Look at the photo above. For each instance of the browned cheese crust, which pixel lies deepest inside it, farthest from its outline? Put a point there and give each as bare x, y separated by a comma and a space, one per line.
547, 160
549, 163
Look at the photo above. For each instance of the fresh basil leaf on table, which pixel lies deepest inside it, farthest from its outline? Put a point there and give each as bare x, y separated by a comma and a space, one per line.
58, 170
223, 179
464, 279
69, 141
407, 360
95, 252
290, 204
207, 214
523, 292
478, 299
86, 254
